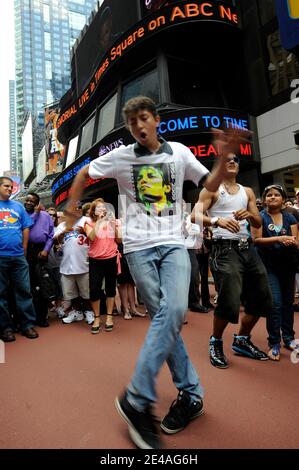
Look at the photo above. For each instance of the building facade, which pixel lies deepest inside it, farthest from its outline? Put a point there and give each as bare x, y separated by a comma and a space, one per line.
272, 51
205, 64
45, 31
12, 127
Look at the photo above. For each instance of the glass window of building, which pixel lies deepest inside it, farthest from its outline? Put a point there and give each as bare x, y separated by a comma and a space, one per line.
78, 2
145, 85
48, 69
77, 21
86, 136
107, 117
71, 151
49, 96
46, 13
47, 39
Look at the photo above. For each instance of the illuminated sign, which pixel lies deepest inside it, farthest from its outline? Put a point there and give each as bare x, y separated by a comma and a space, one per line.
171, 15
107, 148
201, 122
69, 175
108, 24
209, 150
288, 19
65, 194
148, 6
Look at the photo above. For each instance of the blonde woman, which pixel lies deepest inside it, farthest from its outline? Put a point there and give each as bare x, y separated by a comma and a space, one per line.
102, 231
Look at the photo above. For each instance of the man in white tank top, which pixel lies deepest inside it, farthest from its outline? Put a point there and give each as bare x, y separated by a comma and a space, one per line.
235, 265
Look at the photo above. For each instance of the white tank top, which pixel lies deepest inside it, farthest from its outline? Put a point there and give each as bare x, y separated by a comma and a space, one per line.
224, 207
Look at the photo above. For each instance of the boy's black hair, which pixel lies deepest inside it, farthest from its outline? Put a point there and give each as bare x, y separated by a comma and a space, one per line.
138, 103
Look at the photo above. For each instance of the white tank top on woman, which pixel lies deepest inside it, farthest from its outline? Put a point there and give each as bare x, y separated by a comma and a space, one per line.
224, 207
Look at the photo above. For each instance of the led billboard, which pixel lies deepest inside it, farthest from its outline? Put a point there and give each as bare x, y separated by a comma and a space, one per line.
54, 149
112, 20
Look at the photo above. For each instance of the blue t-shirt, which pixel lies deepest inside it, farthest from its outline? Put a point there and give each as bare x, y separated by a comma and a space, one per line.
13, 220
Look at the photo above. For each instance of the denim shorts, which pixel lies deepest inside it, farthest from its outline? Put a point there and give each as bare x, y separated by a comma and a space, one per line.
239, 275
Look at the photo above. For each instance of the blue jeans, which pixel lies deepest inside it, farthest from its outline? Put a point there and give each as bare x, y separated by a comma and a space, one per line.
14, 274
281, 318
162, 277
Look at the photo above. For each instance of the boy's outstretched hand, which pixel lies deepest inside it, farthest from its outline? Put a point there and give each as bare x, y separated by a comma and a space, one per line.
227, 141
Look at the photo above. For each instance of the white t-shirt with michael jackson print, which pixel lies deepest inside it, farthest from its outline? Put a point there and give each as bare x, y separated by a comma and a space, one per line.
150, 187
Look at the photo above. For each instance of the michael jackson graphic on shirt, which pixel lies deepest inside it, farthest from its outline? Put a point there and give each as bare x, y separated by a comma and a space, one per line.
154, 186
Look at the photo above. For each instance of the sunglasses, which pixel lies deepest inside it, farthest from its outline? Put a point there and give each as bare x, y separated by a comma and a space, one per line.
235, 159
274, 186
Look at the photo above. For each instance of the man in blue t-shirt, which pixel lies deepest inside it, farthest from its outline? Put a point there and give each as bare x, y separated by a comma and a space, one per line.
14, 234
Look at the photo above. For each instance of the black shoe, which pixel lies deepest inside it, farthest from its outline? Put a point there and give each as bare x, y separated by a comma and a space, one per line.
217, 357
43, 323
209, 306
7, 335
181, 412
142, 425
198, 308
30, 333
245, 347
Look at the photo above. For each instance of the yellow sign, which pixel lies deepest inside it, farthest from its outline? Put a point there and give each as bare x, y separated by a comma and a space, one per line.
294, 8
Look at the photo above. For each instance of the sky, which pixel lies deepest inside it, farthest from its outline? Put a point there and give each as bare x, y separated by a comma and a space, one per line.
7, 61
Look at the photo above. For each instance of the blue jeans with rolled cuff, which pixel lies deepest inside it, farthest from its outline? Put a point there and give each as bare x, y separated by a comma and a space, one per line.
162, 277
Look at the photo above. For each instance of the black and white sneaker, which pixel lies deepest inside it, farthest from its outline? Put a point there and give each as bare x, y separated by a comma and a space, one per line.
217, 357
142, 425
243, 346
181, 412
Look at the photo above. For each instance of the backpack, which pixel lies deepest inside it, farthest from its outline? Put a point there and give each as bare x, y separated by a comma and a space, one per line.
46, 281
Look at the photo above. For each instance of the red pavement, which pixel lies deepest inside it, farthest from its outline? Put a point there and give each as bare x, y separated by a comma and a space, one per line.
57, 392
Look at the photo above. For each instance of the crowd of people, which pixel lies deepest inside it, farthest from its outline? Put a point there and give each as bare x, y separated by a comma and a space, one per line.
161, 250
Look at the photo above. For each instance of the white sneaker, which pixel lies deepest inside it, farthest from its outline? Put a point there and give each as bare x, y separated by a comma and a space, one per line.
74, 315
293, 345
60, 312
89, 316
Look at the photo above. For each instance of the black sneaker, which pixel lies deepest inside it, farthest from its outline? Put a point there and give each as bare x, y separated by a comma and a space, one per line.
217, 357
181, 412
245, 347
142, 425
